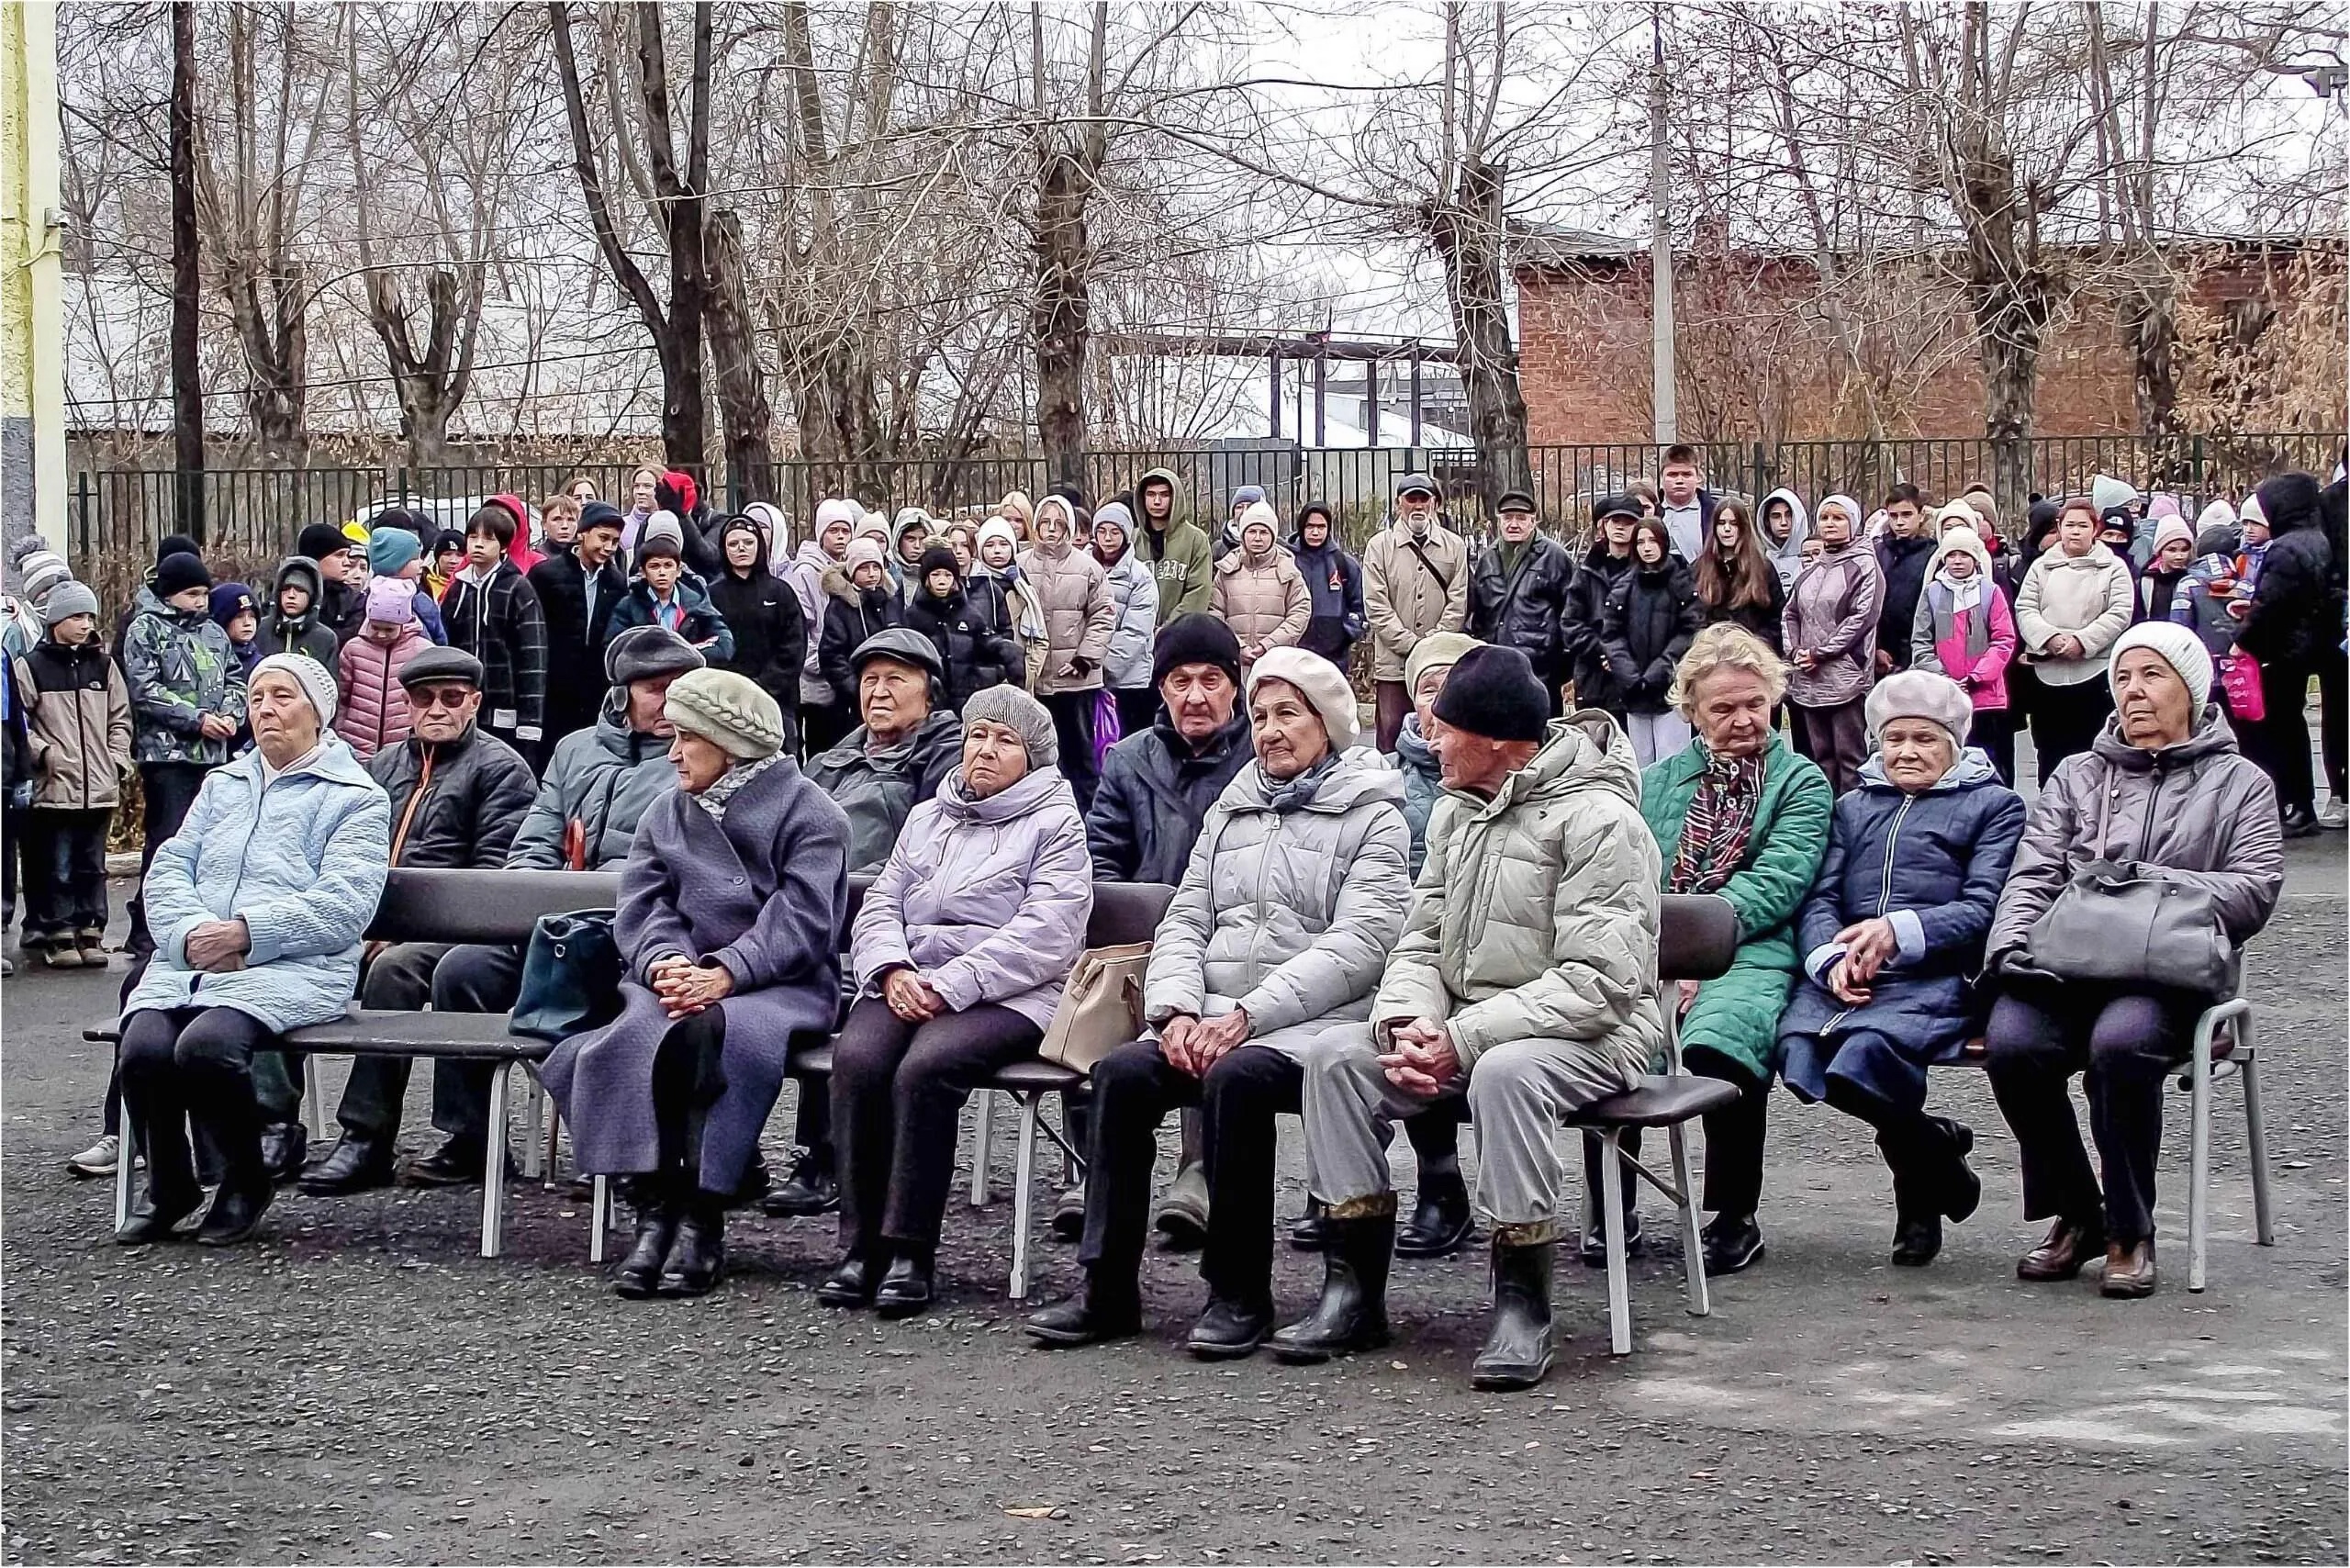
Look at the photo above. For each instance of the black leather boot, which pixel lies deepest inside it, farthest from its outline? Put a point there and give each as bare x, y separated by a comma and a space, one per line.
1442, 1220
1306, 1232
657, 1213
1228, 1330
236, 1209
158, 1218
851, 1284
283, 1146
906, 1289
1516, 1353
1097, 1312
1917, 1238
1962, 1187
356, 1164
813, 1188
1352, 1314
697, 1259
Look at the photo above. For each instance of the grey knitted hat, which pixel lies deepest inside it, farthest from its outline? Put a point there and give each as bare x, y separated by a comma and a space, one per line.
731, 712
1023, 716
643, 653
67, 598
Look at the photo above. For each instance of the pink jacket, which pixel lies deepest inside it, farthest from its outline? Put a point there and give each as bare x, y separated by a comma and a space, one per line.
374, 713
1971, 646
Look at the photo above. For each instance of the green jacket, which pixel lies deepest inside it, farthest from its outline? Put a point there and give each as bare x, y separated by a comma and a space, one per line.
1737, 1015
1185, 568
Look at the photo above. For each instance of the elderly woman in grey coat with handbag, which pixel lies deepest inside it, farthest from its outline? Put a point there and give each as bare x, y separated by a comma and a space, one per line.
960, 950
1296, 890
729, 923
2162, 796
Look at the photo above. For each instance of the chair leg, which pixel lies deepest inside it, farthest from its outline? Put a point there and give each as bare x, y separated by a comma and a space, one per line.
2256, 1133
314, 1100
985, 1136
599, 1216
125, 1157
1611, 1217
533, 1124
2198, 1161
1693, 1247
1023, 1195
493, 1178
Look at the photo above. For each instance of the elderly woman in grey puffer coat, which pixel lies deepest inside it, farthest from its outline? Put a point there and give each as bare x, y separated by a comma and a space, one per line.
728, 924
1295, 891
960, 950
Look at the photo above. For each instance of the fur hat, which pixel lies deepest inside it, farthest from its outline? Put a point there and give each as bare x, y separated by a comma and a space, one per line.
1197, 638
1493, 691
1022, 714
1437, 650
68, 599
316, 680
646, 653
1921, 694
731, 712
392, 600
2179, 647
1322, 683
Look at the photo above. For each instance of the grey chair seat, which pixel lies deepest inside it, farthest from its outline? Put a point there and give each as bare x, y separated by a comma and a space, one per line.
1657, 1102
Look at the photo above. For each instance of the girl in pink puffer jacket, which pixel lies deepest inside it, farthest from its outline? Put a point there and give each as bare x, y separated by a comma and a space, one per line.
374, 711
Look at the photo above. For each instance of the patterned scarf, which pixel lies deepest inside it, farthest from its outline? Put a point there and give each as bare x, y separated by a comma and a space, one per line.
1298, 793
1722, 820
730, 784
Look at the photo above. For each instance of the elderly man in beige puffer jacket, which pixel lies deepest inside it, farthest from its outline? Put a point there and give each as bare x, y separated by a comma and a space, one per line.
1072, 591
1528, 972
1415, 583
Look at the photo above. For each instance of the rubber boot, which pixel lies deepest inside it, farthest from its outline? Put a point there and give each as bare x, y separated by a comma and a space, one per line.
1517, 1348
1352, 1314
1182, 1216
657, 1213
697, 1259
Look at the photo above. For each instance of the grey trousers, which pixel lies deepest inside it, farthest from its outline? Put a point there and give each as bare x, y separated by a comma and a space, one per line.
1520, 1092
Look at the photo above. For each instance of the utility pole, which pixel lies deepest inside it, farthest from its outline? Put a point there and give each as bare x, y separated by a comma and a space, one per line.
187, 377
1668, 420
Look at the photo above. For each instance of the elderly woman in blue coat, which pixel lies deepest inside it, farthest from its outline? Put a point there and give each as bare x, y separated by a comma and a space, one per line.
257, 903
728, 924
1892, 935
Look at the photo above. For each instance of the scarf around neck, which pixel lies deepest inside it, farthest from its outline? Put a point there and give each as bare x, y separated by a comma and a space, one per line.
730, 784
1298, 793
1714, 835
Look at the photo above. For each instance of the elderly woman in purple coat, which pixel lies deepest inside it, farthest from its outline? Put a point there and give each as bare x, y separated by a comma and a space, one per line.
729, 922
960, 950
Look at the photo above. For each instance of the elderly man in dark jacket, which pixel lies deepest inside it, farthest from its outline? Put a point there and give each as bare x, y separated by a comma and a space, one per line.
1157, 786
2295, 630
457, 794
1606, 564
1517, 592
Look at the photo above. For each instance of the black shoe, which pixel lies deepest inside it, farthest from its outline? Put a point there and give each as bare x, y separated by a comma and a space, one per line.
1732, 1242
812, 1189
158, 1219
1916, 1239
1593, 1247
1516, 1352
851, 1285
1226, 1331
1089, 1317
639, 1275
236, 1212
1442, 1220
2297, 822
354, 1165
284, 1145
753, 1186
905, 1291
458, 1162
1306, 1232
1068, 1215
1963, 1190
1352, 1314
697, 1259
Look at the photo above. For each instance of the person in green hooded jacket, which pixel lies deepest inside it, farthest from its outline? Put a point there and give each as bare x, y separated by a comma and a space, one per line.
1178, 551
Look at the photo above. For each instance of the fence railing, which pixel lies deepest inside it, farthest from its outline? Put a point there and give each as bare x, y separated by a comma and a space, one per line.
252, 515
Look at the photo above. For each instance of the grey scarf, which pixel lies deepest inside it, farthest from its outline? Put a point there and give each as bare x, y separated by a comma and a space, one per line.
730, 784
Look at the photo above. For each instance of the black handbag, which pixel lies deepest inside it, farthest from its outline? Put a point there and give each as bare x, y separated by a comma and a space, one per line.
571, 976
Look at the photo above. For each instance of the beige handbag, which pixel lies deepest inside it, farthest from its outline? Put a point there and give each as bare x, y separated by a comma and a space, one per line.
1100, 1008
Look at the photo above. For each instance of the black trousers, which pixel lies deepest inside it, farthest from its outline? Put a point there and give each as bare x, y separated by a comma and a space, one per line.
1837, 738
398, 979
168, 790
471, 978
1134, 1089
823, 725
1072, 714
65, 874
2333, 717
1994, 729
1919, 1150
2123, 1044
2066, 720
689, 1076
1733, 1135
1137, 709
2285, 748
193, 1063
897, 1094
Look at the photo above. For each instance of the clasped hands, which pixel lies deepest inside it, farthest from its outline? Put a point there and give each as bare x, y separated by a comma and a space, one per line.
687, 988
218, 947
911, 997
1867, 945
1421, 1060
1194, 1045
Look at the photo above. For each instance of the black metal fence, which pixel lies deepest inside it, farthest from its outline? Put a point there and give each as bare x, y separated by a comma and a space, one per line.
251, 515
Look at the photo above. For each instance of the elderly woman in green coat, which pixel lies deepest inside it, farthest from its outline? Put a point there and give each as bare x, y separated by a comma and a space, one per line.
1742, 815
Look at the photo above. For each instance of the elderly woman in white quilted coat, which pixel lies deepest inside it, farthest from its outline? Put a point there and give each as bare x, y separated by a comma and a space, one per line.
1297, 888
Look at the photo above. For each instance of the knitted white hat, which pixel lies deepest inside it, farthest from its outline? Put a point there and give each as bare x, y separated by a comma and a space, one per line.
316, 680
1323, 684
2179, 647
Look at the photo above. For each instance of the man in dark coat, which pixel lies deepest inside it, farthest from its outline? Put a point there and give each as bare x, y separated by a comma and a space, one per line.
1517, 592
1607, 563
578, 586
458, 793
2294, 630
1157, 786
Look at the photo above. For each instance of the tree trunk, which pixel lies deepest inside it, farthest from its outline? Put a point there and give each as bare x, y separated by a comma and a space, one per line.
1466, 229
1062, 318
429, 382
187, 285
274, 338
744, 415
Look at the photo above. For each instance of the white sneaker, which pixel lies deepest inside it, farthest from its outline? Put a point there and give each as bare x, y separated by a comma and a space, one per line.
2334, 816
99, 1159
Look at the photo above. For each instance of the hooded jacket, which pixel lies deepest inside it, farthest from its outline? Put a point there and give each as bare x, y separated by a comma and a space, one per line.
1832, 614
975, 654
374, 711
1289, 907
1585, 626
987, 899
301, 861
305, 634
1524, 606
851, 615
806, 575
77, 725
2297, 603
1423, 776
2208, 602
1408, 598
880, 790
1336, 619
1786, 558
1154, 793
599, 784
1133, 599
1180, 558
2090, 596
1073, 594
2200, 814
1972, 646
497, 621
1652, 618
575, 607
457, 804
762, 617
1536, 915
180, 667
1263, 600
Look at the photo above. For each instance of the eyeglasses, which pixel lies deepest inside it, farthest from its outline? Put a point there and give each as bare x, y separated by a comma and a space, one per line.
425, 699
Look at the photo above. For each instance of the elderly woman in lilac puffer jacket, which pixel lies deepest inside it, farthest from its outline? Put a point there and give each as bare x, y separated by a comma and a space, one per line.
960, 950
